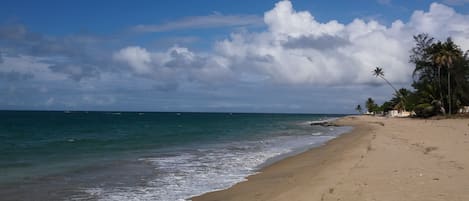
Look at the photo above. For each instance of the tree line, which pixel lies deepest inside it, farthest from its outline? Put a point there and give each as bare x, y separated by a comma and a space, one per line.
440, 80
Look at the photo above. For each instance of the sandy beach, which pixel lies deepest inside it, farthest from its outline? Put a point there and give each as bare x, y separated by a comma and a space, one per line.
381, 159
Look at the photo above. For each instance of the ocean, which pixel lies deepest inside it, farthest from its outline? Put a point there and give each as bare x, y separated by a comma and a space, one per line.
144, 155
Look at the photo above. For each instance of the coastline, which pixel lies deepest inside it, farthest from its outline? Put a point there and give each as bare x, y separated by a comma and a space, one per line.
203, 152
380, 159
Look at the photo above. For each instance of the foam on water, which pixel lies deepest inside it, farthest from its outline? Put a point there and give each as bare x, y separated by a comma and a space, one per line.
316, 133
193, 171
325, 120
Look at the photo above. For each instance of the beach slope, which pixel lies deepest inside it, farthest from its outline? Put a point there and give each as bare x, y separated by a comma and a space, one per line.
381, 159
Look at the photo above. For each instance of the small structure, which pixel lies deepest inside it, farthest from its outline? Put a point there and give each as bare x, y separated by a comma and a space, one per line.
369, 113
464, 110
399, 113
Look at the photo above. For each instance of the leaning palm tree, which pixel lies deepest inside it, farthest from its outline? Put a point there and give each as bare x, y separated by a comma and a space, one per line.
378, 72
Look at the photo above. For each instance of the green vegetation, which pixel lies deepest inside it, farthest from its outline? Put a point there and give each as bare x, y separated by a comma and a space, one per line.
432, 59
433, 93
371, 106
359, 108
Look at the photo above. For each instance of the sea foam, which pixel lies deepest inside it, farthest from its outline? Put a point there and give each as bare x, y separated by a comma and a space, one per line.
189, 172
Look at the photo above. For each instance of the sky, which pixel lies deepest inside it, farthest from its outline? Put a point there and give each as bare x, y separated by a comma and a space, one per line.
299, 56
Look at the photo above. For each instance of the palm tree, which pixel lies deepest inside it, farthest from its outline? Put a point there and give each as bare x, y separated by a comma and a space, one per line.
370, 105
358, 109
378, 72
432, 59
444, 57
460, 81
398, 100
427, 74
438, 58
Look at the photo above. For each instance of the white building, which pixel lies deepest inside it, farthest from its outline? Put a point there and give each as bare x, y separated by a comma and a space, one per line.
397, 113
464, 109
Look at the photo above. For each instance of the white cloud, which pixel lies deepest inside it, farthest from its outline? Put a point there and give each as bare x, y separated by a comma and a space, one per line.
294, 55
175, 66
442, 21
354, 48
29, 67
283, 20
136, 57
298, 49
209, 21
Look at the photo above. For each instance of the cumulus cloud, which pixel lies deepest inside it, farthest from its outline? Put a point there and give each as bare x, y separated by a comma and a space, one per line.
136, 57
75, 72
24, 67
283, 20
295, 48
306, 51
183, 58
177, 64
294, 51
320, 43
298, 49
442, 21
19, 40
197, 22
76, 56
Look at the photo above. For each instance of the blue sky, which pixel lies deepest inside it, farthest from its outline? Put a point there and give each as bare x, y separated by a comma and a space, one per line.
104, 17
234, 56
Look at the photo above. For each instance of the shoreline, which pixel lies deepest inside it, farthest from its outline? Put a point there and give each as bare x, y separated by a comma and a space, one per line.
380, 159
319, 153
341, 130
174, 172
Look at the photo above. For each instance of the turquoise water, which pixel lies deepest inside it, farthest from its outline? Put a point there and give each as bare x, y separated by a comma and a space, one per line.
144, 156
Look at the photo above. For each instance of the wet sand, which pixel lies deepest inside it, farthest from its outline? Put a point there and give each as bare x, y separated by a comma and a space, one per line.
381, 159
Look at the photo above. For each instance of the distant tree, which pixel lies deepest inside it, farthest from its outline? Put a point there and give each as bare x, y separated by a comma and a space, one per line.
386, 106
371, 106
400, 100
358, 108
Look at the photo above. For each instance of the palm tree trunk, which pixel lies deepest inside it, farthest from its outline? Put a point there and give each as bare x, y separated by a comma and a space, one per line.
449, 92
390, 84
441, 91
397, 92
